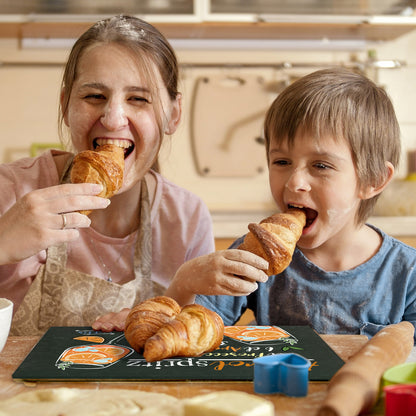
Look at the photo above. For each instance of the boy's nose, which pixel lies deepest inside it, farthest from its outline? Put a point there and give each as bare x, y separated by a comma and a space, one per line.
114, 117
298, 181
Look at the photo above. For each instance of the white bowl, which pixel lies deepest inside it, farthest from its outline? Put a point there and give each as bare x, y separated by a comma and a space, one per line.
6, 312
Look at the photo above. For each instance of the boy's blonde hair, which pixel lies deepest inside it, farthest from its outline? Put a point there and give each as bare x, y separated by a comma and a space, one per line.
347, 106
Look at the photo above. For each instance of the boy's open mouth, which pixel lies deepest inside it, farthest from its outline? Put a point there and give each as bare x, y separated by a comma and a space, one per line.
310, 213
127, 145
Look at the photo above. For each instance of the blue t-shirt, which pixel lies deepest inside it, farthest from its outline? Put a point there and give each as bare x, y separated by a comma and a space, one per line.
363, 300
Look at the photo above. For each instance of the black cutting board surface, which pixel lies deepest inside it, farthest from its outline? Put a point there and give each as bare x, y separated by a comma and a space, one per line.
80, 353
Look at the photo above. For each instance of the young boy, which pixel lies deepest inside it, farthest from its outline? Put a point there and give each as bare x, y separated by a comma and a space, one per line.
332, 143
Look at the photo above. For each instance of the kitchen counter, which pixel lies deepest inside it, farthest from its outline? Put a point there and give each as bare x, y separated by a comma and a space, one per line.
345, 346
18, 347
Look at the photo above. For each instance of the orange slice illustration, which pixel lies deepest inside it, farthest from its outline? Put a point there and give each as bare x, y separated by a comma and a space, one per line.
255, 333
91, 338
94, 354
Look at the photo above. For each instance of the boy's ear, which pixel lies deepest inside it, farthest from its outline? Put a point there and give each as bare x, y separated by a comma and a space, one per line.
373, 190
175, 115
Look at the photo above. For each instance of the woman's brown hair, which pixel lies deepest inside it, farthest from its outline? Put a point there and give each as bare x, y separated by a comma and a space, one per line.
148, 45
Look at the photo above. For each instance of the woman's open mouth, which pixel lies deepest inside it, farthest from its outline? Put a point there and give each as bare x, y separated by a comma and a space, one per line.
126, 145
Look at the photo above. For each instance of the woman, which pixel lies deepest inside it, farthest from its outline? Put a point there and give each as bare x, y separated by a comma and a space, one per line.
61, 267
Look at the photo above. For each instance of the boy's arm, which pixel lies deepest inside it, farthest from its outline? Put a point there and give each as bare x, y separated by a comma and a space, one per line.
230, 308
225, 272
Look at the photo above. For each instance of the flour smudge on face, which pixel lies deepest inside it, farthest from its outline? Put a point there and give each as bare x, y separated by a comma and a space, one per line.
334, 215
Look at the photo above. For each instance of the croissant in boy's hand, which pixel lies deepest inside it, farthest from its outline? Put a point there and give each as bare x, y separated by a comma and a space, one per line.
275, 238
104, 166
191, 331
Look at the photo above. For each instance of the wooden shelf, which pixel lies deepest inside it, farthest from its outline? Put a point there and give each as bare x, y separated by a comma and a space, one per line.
220, 30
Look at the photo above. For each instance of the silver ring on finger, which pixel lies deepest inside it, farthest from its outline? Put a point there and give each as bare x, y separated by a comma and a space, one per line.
63, 221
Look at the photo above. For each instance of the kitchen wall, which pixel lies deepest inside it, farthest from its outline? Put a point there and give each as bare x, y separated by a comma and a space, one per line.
29, 98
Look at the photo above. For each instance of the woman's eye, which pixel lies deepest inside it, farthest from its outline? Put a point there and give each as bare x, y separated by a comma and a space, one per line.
322, 166
95, 96
140, 99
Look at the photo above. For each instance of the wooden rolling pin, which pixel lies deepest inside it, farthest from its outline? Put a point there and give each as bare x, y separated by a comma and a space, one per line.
354, 388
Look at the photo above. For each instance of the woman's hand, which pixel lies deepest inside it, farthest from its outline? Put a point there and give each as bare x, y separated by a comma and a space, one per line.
227, 272
46, 217
113, 321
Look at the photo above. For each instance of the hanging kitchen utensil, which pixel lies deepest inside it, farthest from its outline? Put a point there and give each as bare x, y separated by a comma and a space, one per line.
227, 116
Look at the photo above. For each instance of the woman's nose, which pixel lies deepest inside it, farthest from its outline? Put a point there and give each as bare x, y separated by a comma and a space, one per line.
298, 181
114, 117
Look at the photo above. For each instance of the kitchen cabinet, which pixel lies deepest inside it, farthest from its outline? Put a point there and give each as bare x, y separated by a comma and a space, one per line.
217, 19
311, 7
296, 30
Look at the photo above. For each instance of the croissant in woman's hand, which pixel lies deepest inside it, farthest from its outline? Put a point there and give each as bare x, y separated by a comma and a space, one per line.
275, 238
104, 166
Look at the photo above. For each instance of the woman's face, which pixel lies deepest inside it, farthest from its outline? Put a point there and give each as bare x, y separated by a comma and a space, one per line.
111, 102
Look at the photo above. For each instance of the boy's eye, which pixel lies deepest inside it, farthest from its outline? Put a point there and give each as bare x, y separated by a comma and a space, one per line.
280, 162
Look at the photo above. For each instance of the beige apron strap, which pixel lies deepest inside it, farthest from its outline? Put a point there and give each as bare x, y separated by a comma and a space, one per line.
25, 320
52, 293
143, 251
29, 318
66, 173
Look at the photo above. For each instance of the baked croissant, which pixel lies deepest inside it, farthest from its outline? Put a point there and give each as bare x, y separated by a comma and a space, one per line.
194, 331
146, 318
104, 166
275, 238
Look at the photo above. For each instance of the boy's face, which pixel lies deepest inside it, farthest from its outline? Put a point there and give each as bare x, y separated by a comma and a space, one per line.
319, 176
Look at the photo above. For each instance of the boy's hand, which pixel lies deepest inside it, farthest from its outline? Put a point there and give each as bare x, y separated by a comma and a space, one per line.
227, 272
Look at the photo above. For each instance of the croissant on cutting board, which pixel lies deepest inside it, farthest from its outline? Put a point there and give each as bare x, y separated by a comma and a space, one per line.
275, 238
146, 318
191, 331
194, 331
104, 166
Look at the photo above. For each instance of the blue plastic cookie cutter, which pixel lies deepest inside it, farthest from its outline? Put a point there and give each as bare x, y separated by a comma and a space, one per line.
281, 373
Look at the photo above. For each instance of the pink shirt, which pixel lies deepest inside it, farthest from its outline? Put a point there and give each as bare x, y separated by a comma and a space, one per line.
181, 230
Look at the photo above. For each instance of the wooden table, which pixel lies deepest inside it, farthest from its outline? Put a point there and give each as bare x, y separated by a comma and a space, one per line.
17, 348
